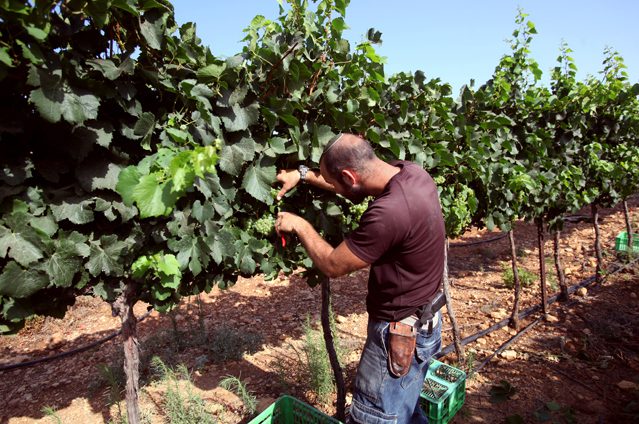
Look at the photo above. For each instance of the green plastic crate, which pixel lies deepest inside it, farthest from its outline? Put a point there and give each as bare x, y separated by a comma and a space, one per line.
288, 410
621, 242
443, 392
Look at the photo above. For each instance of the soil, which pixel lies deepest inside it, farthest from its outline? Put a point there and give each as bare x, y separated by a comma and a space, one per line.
579, 365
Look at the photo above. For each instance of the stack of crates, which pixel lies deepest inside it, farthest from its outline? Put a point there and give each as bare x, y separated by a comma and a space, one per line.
621, 242
443, 393
289, 410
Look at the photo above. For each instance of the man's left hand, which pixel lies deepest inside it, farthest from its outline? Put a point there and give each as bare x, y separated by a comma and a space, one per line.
287, 222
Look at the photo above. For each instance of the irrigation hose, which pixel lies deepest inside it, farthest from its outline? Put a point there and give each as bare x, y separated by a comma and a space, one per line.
91, 345
588, 281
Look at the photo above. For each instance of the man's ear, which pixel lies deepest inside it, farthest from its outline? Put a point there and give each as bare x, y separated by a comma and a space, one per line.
349, 177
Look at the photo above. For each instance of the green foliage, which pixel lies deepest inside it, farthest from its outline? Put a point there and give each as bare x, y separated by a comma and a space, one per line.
501, 392
526, 278
51, 413
126, 141
236, 386
228, 344
556, 412
181, 405
319, 368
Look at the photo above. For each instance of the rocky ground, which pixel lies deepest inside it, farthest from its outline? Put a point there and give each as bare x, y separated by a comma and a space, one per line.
580, 365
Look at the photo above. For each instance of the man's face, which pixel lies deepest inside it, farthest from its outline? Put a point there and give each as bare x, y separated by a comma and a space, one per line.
353, 192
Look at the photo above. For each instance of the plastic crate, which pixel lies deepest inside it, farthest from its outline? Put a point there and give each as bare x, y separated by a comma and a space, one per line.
621, 242
288, 410
443, 393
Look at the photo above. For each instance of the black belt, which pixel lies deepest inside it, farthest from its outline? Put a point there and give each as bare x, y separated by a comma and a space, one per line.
426, 312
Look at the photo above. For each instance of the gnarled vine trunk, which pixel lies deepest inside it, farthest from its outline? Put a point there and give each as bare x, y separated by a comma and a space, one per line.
561, 276
514, 317
123, 308
595, 223
542, 265
330, 347
459, 349
629, 229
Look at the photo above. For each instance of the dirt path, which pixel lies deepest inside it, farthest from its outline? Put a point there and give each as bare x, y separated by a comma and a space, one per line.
581, 366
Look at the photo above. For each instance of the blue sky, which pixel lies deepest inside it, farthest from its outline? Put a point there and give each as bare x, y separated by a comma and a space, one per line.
454, 40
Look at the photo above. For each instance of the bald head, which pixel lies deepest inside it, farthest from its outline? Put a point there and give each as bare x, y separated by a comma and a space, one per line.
348, 151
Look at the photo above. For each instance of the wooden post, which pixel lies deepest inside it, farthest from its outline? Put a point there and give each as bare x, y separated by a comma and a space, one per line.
459, 349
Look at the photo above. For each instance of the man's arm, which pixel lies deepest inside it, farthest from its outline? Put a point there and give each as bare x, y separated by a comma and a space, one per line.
291, 177
333, 262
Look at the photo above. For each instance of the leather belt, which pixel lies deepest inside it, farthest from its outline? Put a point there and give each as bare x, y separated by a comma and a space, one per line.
411, 320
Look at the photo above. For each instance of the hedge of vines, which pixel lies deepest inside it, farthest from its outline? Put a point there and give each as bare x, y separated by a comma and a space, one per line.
131, 155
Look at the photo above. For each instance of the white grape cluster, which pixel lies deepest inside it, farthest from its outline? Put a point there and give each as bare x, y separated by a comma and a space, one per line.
265, 225
358, 209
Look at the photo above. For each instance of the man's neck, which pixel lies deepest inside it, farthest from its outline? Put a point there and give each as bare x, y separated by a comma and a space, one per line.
381, 174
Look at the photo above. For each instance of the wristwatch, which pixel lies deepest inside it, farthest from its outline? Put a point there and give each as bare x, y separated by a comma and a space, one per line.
303, 170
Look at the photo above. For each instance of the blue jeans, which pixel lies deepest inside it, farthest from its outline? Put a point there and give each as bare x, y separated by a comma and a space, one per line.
381, 398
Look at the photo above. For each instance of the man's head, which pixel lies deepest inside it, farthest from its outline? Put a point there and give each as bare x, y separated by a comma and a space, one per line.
346, 162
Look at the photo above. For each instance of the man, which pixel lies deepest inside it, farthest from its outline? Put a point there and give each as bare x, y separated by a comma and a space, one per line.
401, 236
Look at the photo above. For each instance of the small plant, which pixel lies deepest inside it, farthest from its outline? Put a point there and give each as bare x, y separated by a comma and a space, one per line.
555, 412
227, 343
50, 412
501, 392
319, 367
235, 385
526, 278
182, 406
114, 379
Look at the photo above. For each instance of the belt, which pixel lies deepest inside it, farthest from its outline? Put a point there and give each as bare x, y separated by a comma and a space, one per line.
411, 320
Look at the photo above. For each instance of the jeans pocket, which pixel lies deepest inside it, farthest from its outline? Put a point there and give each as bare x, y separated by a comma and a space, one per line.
428, 344
363, 414
372, 368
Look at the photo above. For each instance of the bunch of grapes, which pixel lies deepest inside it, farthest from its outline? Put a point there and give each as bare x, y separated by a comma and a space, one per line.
264, 225
358, 209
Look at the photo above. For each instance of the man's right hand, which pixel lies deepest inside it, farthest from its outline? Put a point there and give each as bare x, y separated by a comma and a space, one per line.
289, 179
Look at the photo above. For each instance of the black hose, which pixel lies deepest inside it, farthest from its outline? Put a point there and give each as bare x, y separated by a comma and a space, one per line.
473, 243
91, 345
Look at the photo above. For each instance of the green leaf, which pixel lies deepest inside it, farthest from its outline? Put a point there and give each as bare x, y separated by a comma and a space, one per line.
144, 125
234, 156
240, 118
46, 224
31, 53
98, 174
79, 106
21, 244
169, 265
152, 197
106, 67
211, 72
152, 29
191, 253
62, 267
177, 135
37, 33
106, 256
20, 283
77, 213
128, 179
258, 179
48, 102
5, 57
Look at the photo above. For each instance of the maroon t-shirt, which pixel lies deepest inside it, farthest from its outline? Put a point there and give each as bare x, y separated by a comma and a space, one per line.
401, 235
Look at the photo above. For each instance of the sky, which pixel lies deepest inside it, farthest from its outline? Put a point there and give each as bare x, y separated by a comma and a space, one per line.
453, 40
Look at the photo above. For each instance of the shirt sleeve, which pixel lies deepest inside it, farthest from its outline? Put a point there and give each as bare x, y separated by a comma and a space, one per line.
375, 235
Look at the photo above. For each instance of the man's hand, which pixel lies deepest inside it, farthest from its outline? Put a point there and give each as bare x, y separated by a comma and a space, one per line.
289, 179
287, 222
